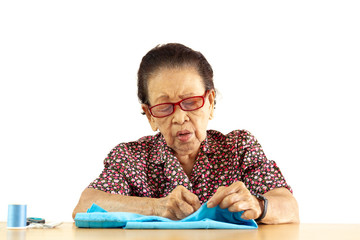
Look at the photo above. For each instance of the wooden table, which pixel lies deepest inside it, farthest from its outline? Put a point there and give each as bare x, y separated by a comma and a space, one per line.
276, 232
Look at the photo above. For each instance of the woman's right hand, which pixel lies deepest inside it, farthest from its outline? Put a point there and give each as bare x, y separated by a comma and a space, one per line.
179, 204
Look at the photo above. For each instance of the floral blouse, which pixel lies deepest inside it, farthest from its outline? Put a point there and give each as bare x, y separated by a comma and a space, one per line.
149, 168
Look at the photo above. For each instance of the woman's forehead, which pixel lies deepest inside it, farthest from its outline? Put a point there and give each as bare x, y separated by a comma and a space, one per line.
175, 84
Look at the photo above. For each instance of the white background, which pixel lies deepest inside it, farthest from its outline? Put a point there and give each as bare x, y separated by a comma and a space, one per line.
286, 71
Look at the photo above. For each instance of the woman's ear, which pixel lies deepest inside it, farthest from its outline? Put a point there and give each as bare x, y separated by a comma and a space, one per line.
212, 103
150, 118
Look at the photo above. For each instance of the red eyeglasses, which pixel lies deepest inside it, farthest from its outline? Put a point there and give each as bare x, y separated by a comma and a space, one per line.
187, 104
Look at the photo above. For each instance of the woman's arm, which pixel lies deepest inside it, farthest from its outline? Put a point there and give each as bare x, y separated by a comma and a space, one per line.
177, 205
113, 202
282, 206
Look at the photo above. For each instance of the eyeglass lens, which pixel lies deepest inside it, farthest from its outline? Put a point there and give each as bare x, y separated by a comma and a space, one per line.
189, 104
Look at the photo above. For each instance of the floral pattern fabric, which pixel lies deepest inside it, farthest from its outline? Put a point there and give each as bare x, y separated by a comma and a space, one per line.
149, 168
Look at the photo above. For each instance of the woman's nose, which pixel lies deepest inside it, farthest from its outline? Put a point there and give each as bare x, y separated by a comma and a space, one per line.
179, 115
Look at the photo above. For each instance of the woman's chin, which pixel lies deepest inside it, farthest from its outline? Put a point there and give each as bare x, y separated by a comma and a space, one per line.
188, 148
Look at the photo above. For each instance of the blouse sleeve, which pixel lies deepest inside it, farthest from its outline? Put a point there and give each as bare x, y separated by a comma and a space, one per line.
259, 174
112, 179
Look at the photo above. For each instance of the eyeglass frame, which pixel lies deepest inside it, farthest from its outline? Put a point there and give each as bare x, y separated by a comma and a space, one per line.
178, 103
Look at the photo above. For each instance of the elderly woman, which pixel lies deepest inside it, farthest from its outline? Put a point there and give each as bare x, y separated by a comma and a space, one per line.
174, 172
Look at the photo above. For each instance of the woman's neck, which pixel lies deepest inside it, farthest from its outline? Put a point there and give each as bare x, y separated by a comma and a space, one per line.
187, 162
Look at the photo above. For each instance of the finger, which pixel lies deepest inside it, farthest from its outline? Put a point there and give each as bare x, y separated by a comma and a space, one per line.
250, 214
172, 214
222, 192
171, 206
231, 199
191, 199
251, 211
240, 206
183, 209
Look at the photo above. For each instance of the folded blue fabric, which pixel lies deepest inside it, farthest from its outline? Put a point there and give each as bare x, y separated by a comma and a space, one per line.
203, 218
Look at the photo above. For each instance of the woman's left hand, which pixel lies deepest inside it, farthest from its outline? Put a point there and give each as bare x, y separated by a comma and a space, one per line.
237, 198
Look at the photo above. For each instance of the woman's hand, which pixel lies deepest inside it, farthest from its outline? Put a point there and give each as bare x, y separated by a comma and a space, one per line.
237, 198
179, 204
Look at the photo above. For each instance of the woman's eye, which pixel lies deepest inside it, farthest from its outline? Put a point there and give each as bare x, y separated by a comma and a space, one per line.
190, 104
164, 108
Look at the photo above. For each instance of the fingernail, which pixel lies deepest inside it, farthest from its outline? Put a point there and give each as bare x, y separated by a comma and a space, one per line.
210, 204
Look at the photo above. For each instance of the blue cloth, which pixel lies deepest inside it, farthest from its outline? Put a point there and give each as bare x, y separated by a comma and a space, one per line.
203, 218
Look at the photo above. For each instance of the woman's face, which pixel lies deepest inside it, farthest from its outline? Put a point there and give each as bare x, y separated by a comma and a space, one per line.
183, 130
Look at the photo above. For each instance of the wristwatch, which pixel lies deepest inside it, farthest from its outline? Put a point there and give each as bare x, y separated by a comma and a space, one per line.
263, 214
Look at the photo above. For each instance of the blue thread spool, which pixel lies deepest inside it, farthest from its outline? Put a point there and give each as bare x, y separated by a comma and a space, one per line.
16, 216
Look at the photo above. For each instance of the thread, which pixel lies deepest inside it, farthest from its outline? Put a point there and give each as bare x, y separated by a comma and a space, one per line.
16, 216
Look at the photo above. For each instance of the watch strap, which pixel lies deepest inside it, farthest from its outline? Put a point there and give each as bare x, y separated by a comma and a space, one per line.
263, 214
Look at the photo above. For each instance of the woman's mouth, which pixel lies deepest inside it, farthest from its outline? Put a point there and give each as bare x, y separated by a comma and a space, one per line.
184, 135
